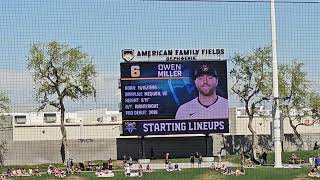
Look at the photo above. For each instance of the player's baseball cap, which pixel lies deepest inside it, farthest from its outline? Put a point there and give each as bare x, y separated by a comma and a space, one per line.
203, 69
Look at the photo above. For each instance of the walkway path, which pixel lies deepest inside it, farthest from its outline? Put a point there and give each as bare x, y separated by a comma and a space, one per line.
181, 165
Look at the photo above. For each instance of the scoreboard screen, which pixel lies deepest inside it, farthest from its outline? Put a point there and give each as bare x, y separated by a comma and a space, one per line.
180, 97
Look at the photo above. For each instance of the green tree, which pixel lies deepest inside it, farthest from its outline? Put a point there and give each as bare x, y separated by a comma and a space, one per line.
4, 108
4, 105
314, 104
251, 82
60, 73
295, 90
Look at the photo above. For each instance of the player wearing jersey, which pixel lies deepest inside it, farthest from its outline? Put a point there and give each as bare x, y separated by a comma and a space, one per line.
208, 105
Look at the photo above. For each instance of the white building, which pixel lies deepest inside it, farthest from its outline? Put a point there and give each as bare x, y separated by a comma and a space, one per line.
91, 124
96, 134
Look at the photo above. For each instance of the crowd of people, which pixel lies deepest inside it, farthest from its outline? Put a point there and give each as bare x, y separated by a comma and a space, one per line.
104, 173
100, 171
171, 168
224, 169
56, 172
130, 171
21, 172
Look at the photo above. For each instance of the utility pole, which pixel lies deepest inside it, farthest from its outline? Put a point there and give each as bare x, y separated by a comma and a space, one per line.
275, 91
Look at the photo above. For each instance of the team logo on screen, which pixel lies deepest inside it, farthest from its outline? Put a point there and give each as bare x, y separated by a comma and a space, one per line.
135, 71
130, 126
205, 68
127, 54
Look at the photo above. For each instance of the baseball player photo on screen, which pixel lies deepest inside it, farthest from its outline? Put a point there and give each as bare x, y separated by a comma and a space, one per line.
208, 104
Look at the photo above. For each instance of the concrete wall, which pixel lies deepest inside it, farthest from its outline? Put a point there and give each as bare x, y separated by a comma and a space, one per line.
36, 144
234, 143
37, 152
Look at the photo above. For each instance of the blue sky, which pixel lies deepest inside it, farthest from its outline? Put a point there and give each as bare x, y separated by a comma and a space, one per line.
104, 28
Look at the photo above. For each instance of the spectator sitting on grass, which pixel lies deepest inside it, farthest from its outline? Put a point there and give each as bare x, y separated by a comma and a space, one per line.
176, 167
228, 171
69, 171
249, 163
30, 172
98, 171
218, 166
148, 168
14, 172
223, 167
263, 158
36, 171
293, 159
127, 170
213, 166
77, 170
313, 172
50, 169
91, 165
19, 172
24, 172
240, 172
9, 172
58, 173
3, 177
105, 173
170, 167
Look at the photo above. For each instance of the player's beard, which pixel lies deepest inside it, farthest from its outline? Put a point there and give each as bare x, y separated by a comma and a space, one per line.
204, 92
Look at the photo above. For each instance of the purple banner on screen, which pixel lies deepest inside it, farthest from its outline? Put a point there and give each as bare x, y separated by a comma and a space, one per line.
162, 127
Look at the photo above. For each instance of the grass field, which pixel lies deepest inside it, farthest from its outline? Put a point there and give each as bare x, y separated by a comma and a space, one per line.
259, 173
305, 155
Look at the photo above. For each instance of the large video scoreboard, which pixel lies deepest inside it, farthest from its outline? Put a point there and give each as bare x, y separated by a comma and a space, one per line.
180, 97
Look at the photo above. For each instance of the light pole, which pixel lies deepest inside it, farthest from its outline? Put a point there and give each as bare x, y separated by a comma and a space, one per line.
275, 92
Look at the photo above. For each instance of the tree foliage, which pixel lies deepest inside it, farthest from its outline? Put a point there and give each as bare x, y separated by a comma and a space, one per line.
301, 102
251, 82
314, 104
293, 86
251, 76
4, 104
60, 72
294, 89
4, 108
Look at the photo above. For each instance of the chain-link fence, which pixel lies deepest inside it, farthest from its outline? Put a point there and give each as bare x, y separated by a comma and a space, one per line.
44, 43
